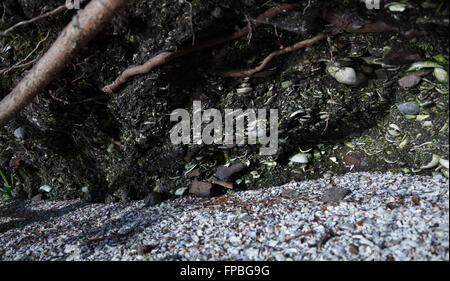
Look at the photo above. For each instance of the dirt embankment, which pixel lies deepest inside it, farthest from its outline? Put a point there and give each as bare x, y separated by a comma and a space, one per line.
84, 143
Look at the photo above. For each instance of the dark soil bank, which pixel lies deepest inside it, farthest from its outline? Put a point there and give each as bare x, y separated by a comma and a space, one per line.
81, 142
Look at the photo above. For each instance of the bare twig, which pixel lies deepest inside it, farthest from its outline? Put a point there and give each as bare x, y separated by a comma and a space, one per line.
90, 20
298, 235
17, 67
23, 64
165, 57
327, 236
50, 13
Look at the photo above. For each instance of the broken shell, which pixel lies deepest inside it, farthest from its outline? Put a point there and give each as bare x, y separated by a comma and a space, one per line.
433, 163
334, 159
302, 158
441, 75
244, 90
255, 174
45, 188
270, 163
444, 163
427, 124
403, 144
180, 191
396, 6
296, 113
424, 64
422, 117
393, 133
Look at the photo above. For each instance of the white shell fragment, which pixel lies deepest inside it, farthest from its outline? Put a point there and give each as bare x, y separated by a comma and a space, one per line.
244, 90
302, 158
180, 191
433, 163
45, 188
444, 163
396, 6
424, 64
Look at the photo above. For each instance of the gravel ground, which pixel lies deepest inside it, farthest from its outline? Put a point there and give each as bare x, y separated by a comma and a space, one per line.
385, 217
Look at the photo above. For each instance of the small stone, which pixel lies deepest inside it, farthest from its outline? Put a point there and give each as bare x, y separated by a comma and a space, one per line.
392, 205
289, 193
144, 249
193, 174
416, 200
344, 75
224, 173
350, 160
217, 13
18, 163
409, 108
20, 133
353, 250
441, 75
203, 189
154, 198
37, 198
335, 194
409, 81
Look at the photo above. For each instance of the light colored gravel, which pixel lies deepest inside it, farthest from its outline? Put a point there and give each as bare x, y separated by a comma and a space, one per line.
386, 217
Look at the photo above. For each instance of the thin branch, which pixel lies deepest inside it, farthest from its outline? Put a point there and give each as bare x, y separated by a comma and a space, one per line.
165, 57
75, 36
23, 64
17, 67
50, 13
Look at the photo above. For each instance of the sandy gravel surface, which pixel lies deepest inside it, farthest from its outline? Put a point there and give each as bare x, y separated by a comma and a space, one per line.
380, 217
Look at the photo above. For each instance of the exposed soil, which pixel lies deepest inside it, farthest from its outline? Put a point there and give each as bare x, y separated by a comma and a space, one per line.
117, 146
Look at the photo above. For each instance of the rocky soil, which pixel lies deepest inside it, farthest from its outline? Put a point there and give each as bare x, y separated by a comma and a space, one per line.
116, 147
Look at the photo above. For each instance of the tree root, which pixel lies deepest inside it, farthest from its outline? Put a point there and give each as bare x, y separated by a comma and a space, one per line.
75, 36
165, 57
253, 71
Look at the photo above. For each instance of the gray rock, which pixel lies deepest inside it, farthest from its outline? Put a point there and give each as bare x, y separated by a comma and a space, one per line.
335, 194
409, 108
224, 173
20, 133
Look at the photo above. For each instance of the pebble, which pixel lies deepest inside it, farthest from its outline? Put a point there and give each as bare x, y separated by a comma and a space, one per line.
344, 75
20, 133
335, 194
409, 108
